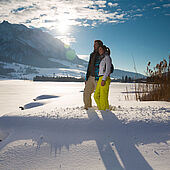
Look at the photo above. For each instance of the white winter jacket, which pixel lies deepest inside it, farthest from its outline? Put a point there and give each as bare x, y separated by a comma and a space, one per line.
105, 66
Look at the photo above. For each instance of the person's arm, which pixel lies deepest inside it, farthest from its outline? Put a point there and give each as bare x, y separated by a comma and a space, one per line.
87, 73
107, 71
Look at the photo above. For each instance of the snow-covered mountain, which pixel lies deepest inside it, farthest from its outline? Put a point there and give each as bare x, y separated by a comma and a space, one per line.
25, 53
33, 47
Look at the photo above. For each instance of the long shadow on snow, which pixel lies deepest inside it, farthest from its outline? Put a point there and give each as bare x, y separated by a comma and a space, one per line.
42, 97
115, 140
36, 103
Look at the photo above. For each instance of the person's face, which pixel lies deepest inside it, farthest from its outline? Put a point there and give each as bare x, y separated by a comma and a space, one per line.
96, 45
101, 51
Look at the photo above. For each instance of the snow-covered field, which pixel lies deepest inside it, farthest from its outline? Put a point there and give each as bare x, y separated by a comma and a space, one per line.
55, 132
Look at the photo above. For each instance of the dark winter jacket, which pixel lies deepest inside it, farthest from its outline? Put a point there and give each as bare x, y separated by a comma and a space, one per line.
93, 66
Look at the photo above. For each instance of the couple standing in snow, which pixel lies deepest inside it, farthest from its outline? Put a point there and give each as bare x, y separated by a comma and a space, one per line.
98, 77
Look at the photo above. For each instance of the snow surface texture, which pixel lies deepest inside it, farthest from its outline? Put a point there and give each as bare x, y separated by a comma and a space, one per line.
55, 132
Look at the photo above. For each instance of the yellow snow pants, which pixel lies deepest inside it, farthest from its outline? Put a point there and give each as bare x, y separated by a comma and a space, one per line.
101, 94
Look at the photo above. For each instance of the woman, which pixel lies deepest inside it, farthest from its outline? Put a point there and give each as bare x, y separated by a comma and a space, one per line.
102, 88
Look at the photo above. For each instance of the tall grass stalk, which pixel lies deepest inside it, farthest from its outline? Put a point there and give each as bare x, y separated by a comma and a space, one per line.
157, 86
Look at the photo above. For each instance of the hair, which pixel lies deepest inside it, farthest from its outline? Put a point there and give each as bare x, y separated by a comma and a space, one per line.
99, 42
106, 49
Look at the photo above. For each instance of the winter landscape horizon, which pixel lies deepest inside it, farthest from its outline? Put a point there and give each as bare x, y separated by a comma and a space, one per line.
44, 125
26, 53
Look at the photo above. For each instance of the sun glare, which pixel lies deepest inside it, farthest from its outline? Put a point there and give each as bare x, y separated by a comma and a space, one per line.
63, 27
63, 24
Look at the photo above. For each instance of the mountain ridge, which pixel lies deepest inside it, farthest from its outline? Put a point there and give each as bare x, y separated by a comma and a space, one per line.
33, 47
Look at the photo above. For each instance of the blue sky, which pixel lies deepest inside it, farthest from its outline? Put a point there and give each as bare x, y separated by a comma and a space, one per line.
132, 29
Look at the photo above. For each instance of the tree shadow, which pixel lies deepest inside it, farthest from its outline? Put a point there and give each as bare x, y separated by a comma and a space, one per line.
116, 141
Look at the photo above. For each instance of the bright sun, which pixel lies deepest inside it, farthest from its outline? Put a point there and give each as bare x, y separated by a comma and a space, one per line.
63, 27
63, 24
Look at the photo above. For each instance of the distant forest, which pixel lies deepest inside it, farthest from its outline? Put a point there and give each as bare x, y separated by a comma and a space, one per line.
58, 79
74, 79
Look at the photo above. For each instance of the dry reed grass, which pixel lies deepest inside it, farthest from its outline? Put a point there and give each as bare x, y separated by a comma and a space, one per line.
157, 86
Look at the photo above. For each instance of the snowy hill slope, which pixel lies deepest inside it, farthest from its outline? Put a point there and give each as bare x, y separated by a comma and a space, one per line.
21, 71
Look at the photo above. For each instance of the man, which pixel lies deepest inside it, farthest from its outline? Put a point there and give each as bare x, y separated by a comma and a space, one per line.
92, 75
